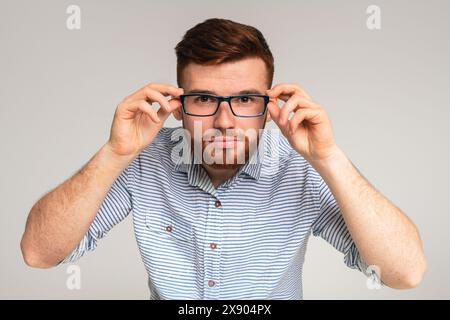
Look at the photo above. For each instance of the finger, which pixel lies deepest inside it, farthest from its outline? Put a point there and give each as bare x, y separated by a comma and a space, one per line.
300, 116
296, 102
156, 93
274, 111
156, 96
150, 95
144, 107
290, 106
285, 90
174, 104
167, 89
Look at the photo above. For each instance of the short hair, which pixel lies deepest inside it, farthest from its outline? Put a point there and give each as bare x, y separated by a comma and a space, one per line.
216, 41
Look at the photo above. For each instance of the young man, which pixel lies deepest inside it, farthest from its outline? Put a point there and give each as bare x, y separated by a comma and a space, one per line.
225, 229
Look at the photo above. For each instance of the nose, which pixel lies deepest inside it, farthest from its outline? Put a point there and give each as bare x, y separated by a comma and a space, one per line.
224, 118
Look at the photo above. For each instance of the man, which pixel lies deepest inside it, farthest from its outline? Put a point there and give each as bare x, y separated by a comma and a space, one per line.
225, 229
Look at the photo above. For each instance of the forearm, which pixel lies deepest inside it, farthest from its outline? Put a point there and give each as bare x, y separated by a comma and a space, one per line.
384, 236
60, 219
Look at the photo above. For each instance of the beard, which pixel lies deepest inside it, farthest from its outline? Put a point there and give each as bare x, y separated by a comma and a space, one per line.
230, 157
227, 158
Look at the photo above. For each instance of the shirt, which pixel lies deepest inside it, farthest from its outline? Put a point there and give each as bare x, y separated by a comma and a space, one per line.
244, 240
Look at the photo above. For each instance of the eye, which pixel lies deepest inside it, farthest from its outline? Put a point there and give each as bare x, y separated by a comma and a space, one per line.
203, 98
245, 99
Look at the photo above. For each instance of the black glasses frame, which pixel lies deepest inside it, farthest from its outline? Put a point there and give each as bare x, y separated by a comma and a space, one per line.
227, 99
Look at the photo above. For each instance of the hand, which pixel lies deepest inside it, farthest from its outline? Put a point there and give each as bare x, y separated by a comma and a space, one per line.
136, 123
309, 131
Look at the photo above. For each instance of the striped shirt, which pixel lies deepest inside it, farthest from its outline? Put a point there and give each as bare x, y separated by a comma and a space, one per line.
244, 240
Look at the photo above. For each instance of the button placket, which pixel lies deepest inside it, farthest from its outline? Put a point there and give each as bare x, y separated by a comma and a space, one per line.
212, 249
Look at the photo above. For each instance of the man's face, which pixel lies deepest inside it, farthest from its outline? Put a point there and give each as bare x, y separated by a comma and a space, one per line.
227, 79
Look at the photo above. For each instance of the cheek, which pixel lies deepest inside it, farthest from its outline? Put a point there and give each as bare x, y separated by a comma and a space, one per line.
191, 123
197, 126
251, 125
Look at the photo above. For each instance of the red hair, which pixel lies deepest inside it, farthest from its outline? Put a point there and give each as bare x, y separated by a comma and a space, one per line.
216, 41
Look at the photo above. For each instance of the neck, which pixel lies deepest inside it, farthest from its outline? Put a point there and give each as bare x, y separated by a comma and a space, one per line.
220, 174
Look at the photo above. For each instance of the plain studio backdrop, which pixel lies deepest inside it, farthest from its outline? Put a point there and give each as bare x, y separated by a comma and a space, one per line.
386, 91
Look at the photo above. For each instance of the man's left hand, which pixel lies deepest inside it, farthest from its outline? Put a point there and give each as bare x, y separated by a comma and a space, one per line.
309, 131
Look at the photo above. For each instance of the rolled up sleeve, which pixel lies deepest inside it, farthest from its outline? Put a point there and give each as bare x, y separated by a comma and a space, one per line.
115, 207
330, 226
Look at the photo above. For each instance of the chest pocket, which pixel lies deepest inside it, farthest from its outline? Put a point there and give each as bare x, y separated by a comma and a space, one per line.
169, 225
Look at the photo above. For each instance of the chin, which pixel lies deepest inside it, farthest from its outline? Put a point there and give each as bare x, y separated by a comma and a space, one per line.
219, 166
229, 159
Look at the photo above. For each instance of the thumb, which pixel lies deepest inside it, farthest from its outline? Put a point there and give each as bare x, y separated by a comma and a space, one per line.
174, 103
274, 111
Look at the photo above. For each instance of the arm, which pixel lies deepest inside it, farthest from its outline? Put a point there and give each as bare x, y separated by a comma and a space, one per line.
384, 235
58, 222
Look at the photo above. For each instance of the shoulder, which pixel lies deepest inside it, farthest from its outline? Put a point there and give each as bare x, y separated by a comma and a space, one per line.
164, 139
278, 150
158, 153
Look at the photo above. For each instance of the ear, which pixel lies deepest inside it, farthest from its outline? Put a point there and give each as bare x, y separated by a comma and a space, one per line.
178, 113
175, 103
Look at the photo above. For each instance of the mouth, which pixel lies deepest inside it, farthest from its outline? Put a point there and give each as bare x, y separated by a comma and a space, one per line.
225, 142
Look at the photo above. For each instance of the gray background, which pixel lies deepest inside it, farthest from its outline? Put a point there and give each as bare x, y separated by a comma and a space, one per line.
385, 91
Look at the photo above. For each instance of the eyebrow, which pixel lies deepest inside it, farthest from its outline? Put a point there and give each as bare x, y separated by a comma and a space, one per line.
247, 91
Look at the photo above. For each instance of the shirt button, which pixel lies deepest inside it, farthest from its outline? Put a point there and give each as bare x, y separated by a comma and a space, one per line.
213, 245
169, 228
217, 204
211, 283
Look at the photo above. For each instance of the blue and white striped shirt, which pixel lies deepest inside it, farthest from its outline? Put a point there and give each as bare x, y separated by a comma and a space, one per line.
244, 240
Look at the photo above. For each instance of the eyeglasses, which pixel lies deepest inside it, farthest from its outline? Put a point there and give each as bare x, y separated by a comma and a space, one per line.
205, 105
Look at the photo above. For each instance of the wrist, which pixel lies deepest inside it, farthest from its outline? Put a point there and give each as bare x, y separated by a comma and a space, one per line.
114, 159
335, 160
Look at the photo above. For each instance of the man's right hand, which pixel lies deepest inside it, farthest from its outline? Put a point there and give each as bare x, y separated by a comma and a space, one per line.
59, 220
136, 123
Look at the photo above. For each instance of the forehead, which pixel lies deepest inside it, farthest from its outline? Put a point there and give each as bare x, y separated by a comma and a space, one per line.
226, 78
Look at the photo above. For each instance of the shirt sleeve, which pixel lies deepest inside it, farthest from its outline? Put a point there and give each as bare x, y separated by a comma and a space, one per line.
330, 226
115, 207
